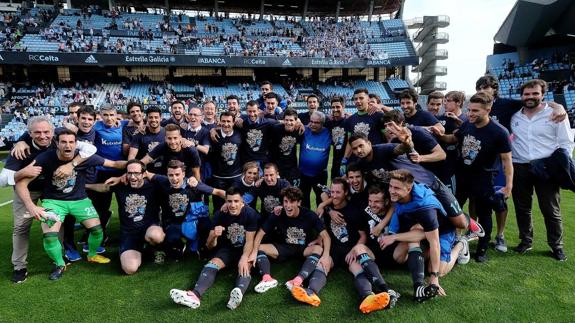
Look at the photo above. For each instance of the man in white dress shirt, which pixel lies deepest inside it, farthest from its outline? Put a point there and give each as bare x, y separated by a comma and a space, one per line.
536, 136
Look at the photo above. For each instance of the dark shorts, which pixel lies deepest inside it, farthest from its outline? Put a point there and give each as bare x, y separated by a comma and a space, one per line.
133, 240
446, 198
383, 258
288, 251
338, 254
229, 256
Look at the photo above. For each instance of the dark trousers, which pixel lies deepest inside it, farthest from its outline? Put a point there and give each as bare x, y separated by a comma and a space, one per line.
548, 197
308, 183
223, 184
478, 188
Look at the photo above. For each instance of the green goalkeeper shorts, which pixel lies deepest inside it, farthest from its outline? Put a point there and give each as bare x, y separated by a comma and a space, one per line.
82, 210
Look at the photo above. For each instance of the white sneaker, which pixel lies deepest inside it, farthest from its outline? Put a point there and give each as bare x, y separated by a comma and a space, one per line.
289, 285
186, 298
464, 255
264, 286
236, 297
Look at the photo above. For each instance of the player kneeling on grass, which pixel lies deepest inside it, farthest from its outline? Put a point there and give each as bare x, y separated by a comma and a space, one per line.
292, 230
63, 196
233, 236
138, 208
343, 238
418, 216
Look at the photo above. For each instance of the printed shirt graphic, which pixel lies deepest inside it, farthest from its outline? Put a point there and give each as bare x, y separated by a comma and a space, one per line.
234, 235
138, 207
298, 231
470, 149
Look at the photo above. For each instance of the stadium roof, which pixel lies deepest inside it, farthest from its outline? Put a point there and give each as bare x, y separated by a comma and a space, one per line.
276, 7
532, 20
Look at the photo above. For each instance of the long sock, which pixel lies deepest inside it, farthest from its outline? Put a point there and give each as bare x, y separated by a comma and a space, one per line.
362, 285
416, 265
243, 282
94, 239
308, 266
371, 269
53, 248
317, 280
263, 263
206, 279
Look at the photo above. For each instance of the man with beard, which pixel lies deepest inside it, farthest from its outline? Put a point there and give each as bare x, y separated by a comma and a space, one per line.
269, 191
154, 135
336, 124
534, 137
434, 103
413, 116
63, 196
178, 111
285, 138
292, 230
136, 124
233, 104
232, 239
482, 142
272, 110
40, 132
342, 253
174, 148
138, 208
312, 105
362, 122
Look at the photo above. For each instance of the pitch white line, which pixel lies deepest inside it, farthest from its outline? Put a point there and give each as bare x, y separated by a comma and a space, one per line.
6, 203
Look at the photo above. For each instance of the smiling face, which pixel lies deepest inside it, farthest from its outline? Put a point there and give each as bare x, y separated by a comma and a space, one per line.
312, 104
338, 195
153, 120
136, 114
477, 113
251, 175
270, 176
174, 140
253, 111
355, 180
86, 122
235, 204
361, 148
271, 105
291, 208
376, 202
398, 191
408, 107
209, 111
337, 110
361, 101
227, 124
177, 111
135, 175
195, 116
234, 106
42, 133
434, 105
532, 97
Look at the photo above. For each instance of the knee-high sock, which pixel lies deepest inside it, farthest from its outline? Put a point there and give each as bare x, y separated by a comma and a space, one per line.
317, 280
243, 282
53, 248
370, 268
308, 266
362, 285
263, 263
416, 265
94, 239
206, 279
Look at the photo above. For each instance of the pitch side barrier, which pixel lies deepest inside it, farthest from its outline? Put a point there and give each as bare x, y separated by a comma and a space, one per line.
101, 59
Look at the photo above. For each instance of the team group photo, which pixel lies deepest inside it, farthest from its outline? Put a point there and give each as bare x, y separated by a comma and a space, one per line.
256, 161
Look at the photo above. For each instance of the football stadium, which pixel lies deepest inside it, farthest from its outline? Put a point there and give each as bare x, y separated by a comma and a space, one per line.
292, 161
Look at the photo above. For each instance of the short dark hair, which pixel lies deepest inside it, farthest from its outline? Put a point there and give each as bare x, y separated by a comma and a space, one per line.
133, 104
292, 193
488, 80
375, 96
252, 103
76, 104
311, 96
353, 167
533, 83
376, 189
272, 95
393, 115
357, 136
84, 109
178, 102
361, 90
232, 190
290, 112
456, 96
174, 163
409, 94
233, 97
136, 161
63, 132
152, 109
342, 182
271, 165
267, 83
226, 114
338, 98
